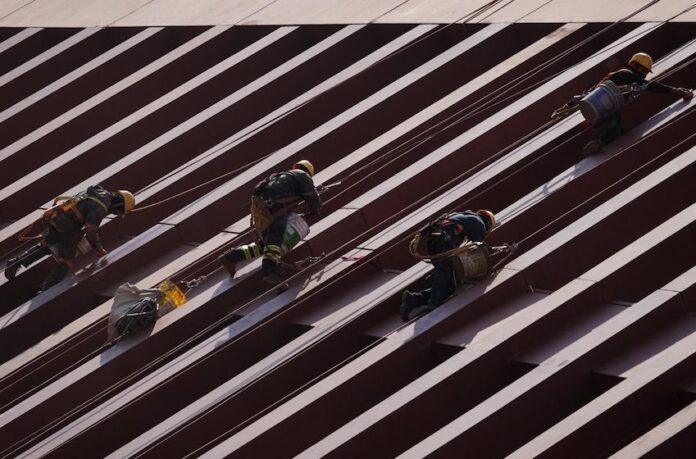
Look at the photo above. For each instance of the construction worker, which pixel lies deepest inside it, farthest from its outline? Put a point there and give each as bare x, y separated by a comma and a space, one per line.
446, 233
73, 229
273, 201
638, 68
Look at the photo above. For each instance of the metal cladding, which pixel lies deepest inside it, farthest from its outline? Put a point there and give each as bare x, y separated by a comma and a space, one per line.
583, 344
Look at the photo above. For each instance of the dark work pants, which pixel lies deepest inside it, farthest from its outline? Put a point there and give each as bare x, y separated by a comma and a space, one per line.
33, 255
443, 284
609, 129
272, 243
36, 253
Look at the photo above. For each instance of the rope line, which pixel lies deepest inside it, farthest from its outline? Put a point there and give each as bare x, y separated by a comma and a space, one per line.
346, 272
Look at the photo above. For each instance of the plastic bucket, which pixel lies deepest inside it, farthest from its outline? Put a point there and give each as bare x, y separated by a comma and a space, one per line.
171, 294
601, 102
296, 229
472, 264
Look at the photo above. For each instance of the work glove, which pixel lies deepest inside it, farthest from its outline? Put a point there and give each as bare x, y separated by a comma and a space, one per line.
684, 93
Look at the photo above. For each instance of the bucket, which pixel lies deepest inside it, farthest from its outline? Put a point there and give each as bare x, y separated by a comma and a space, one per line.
603, 101
296, 229
171, 294
472, 264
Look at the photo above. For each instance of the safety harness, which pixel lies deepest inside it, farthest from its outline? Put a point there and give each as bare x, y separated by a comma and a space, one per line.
439, 224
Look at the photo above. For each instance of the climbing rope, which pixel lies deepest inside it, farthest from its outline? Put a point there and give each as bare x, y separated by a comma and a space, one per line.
389, 219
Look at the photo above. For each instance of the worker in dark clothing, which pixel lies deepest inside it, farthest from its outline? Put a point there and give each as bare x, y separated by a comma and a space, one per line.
448, 232
638, 68
73, 229
273, 200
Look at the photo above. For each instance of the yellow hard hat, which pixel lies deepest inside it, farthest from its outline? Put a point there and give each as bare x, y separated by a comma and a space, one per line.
128, 200
489, 215
306, 165
642, 59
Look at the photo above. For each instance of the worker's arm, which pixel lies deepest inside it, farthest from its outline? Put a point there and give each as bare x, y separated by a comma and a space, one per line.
313, 201
92, 235
469, 227
309, 194
92, 221
656, 86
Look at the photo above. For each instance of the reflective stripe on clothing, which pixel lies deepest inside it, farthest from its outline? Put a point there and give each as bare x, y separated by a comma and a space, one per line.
250, 251
272, 252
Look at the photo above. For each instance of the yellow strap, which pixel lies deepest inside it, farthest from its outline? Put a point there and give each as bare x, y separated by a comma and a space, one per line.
98, 201
62, 198
413, 248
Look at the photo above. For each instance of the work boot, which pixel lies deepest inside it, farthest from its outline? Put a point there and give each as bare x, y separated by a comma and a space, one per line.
409, 300
13, 265
592, 147
57, 274
26, 259
230, 266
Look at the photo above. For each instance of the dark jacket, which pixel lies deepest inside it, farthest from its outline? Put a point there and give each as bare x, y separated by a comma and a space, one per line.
87, 215
452, 230
628, 76
465, 226
294, 183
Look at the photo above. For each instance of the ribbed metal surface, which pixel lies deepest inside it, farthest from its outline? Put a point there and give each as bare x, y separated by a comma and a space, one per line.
582, 345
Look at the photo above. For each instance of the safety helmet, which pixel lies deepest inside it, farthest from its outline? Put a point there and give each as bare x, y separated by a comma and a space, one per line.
305, 165
489, 216
642, 59
128, 200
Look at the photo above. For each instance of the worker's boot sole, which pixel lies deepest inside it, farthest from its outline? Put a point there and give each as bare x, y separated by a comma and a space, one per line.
229, 265
409, 301
592, 147
13, 265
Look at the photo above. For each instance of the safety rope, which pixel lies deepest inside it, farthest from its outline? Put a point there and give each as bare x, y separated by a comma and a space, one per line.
304, 350
289, 359
287, 112
484, 105
205, 330
297, 390
202, 333
214, 255
58, 373
165, 355
413, 249
617, 182
531, 163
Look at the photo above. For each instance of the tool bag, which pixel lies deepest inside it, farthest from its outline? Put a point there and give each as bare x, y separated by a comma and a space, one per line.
135, 309
261, 217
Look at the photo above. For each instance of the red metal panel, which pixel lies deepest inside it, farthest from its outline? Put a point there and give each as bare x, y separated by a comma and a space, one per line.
246, 380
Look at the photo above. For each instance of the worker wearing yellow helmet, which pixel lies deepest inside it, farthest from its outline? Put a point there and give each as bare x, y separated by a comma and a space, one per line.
445, 233
272, 205
639, 66
73, 230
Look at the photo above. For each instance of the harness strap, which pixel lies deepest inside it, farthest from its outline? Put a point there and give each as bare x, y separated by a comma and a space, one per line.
303, 262
98, 201
413, 248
